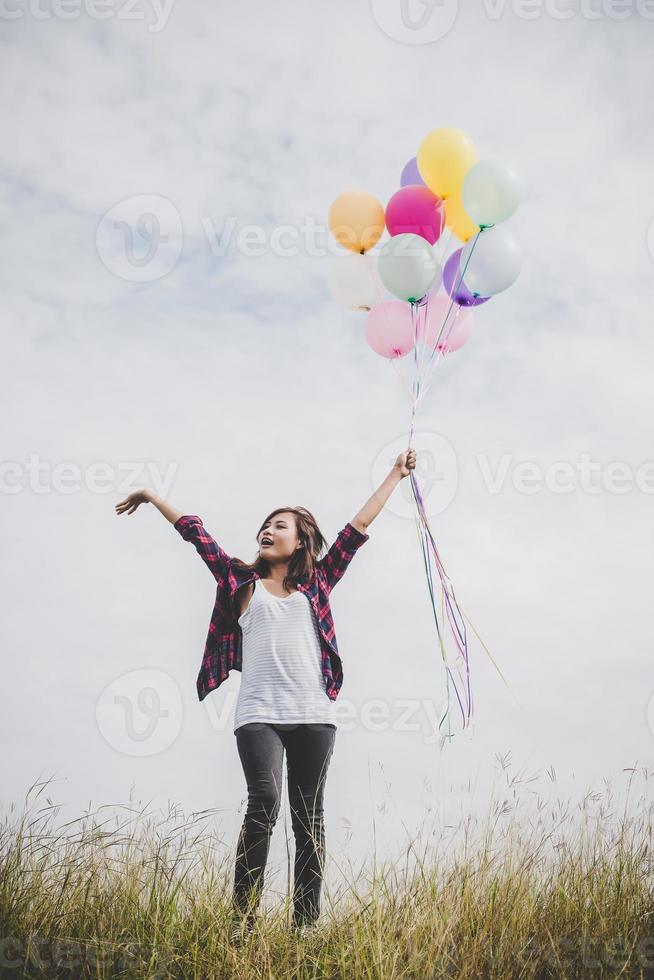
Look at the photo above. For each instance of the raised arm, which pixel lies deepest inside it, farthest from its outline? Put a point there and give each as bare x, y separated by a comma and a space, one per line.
404, 463
353, 535
190, 527
147, 496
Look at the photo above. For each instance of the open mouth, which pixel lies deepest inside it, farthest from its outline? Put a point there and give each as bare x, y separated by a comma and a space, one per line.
266, 543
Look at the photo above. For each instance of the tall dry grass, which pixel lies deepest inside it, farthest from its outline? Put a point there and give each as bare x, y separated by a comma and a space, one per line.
565, 891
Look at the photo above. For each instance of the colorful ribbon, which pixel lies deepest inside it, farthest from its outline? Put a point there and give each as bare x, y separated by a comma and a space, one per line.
457, 674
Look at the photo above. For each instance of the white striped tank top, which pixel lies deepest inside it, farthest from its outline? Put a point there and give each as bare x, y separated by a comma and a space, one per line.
281, 675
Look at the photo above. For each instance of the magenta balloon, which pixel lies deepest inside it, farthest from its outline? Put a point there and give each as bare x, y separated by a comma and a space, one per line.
416, 210
411, 174
390, 329
452, 278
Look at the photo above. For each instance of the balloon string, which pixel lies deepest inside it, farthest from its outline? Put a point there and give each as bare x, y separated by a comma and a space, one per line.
420, 515
457, 283
439, 352
450, 611
440, 636
453, 609
445, 578
457, 675
414, 323
424, 310
492, 660
393, 362
442, 353
444, 244
411, 395
463, 698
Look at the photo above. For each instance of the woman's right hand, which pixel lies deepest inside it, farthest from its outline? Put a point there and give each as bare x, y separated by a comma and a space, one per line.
131, 502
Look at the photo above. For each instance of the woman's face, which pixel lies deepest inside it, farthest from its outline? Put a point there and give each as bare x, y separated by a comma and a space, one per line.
281, 532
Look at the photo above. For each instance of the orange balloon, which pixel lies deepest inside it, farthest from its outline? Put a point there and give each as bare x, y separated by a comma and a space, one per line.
458, 219
356, 220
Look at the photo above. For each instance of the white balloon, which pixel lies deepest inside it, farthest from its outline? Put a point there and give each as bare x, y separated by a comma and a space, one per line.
408, 266
354, 281
490, 261
490, 192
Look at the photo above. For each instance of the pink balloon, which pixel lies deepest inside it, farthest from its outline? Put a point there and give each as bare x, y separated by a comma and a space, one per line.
416, 210
390, 330
457, 329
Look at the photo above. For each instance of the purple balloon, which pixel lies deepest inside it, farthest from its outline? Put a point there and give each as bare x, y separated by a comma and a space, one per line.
452, 278
411, 174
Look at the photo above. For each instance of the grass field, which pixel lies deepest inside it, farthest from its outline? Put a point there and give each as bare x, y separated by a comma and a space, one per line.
566, 892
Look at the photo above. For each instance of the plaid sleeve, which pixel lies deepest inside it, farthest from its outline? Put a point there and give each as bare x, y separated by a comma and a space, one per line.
341, 553
192, 529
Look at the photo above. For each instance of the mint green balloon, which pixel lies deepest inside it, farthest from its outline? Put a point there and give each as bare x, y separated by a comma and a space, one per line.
490, 192
490, 262
407, 266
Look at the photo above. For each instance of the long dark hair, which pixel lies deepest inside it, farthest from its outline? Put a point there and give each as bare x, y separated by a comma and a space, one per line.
301, 564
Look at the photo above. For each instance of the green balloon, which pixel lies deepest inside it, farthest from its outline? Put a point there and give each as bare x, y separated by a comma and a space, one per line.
490, 192
407, 266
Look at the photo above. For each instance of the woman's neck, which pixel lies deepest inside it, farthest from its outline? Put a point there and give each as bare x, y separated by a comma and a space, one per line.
277, 574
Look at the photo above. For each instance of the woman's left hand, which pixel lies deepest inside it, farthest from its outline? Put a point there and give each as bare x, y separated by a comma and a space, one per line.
406, 462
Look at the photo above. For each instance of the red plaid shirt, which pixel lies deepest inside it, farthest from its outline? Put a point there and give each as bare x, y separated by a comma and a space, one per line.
223, 648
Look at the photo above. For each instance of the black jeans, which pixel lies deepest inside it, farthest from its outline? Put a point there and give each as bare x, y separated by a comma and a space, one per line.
308, 751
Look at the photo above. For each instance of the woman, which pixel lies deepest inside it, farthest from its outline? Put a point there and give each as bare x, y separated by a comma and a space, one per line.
272, 621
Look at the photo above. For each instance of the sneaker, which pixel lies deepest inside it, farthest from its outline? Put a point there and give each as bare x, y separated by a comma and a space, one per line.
241, 929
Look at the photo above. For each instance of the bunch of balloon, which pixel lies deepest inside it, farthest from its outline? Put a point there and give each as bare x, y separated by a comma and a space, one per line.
445, 193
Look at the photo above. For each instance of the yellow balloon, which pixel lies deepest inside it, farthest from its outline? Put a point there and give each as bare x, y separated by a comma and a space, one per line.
356, 220
444, 158
458, 219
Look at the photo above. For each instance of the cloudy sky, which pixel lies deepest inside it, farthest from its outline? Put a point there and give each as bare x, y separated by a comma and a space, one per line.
147, 342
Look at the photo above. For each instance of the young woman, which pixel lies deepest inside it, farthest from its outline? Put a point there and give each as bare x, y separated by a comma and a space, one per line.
272, 621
